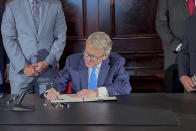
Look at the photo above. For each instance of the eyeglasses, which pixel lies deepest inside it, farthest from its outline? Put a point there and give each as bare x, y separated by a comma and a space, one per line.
94, 58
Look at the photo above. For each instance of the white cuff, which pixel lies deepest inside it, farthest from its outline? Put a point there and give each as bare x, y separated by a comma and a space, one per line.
102, 91
45, 93
179, 47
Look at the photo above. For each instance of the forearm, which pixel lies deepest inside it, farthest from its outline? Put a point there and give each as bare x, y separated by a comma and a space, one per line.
11, 45
183, 64
16, 57
184, 59
59, 39
55, 53
62, 80
163, 26
59, 85
120, 87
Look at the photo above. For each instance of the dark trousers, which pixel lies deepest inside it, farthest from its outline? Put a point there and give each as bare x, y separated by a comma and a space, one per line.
2, 88
172, 82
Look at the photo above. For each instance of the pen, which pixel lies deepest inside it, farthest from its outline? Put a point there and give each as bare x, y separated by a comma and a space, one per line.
67, 105
14, 98
59, 98
8, 102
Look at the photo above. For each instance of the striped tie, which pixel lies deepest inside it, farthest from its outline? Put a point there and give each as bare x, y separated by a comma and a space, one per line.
36, 14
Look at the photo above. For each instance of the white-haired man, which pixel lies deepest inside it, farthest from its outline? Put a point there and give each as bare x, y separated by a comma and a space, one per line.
95, 72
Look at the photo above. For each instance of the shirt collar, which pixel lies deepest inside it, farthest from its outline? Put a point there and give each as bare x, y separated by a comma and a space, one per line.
98, 66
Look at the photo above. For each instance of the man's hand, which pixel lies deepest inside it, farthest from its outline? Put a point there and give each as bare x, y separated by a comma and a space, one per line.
86, 93
6, 74
52, 94
30, 71
188, 83
41, 67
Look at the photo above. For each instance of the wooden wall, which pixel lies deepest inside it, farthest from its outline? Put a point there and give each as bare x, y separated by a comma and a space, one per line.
131, 25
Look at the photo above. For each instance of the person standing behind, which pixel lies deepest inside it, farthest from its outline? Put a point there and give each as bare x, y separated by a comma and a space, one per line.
34, 35
187, 57
170, 25
3, 59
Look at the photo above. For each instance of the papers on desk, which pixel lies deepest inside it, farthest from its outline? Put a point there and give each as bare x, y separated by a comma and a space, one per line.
70, 98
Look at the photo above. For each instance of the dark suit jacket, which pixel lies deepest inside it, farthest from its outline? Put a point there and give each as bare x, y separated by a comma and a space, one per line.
187, 56
112, 75
170, 24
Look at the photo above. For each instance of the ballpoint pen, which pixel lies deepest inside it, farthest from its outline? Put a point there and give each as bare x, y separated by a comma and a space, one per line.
67, 105
14, 98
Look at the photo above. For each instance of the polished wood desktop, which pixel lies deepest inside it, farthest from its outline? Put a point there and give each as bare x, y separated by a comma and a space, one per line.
149, 112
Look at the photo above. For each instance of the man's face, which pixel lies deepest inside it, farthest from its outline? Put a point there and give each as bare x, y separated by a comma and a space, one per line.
92, 56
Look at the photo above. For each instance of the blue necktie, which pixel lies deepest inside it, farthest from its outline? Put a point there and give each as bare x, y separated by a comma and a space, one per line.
36, 14
93, 80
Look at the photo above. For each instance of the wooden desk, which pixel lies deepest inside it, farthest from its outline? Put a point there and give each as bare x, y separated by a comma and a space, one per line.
149, 112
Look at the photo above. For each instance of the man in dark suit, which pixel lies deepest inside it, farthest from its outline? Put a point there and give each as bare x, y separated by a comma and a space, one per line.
3, 58
170, 24
187, 56
95, 72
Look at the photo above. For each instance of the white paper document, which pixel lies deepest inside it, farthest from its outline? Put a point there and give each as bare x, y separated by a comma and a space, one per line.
70, 98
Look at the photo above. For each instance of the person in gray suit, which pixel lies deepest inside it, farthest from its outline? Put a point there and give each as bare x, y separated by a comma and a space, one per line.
187, 57
34, 36
170, 25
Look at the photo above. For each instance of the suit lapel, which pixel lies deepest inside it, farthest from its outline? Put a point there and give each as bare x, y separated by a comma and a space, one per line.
103, 72
83, 72
44, 12
29, 16
185, 8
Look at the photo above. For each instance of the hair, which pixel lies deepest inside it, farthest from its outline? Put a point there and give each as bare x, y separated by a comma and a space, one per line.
101, 40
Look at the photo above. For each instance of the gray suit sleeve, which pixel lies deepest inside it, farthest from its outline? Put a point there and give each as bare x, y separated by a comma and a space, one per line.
163, 28
9, 35
183, 58
59, 38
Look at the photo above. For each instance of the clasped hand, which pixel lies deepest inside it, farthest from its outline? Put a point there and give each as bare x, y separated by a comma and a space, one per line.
37, 69
188, 83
